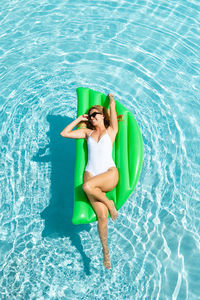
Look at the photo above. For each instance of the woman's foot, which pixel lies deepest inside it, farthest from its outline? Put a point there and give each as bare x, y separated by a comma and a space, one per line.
113, 211
106, 262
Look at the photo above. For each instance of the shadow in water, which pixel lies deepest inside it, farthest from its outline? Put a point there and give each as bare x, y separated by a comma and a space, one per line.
58, 215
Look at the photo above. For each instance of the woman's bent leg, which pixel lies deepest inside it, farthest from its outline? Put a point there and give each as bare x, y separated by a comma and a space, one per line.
99, 184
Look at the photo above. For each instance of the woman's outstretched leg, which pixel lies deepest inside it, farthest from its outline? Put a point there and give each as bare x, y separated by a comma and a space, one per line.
102, 215
102, 228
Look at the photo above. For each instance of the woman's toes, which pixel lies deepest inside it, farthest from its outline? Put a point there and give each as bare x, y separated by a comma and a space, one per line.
106, 262
107, 265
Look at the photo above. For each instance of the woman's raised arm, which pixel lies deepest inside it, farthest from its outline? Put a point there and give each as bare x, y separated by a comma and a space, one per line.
113, 113
75, 134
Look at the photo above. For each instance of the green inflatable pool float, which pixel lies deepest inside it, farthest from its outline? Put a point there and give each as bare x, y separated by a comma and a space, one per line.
127, 155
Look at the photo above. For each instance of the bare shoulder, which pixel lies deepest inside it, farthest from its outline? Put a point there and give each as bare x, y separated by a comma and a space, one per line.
112, 133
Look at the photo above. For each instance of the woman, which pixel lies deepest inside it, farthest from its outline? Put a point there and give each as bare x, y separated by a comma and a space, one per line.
101, 174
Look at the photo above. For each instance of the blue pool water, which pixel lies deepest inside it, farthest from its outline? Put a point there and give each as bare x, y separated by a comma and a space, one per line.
147, 53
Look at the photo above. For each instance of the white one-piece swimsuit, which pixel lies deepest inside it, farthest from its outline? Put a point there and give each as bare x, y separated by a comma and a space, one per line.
99, 154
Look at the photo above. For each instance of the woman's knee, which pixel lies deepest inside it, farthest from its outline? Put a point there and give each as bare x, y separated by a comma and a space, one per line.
87, 187
103, 218
102, 214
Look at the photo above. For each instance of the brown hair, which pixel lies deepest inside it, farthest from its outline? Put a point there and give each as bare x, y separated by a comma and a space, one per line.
106, 113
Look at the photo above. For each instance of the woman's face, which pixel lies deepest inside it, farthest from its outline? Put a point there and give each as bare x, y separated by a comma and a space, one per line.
97, 119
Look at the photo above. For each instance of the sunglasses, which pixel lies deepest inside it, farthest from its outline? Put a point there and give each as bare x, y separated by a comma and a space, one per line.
94, 115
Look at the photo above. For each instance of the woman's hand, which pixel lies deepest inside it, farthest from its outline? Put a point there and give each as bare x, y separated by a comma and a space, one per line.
83, 117
111, 97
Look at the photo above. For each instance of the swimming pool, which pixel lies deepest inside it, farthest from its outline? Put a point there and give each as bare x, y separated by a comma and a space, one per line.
148, 54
